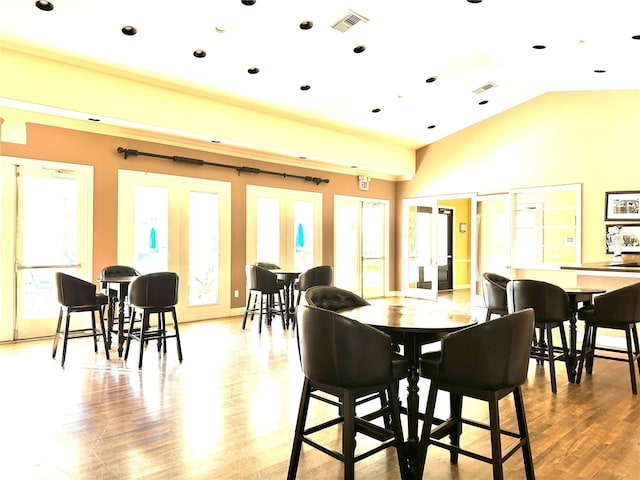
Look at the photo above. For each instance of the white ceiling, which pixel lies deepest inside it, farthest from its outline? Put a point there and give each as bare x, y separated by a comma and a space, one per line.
463, 45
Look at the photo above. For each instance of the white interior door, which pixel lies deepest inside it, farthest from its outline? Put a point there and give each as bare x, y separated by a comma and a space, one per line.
47, 227
419, 247
179, 224
361, 239
491, 242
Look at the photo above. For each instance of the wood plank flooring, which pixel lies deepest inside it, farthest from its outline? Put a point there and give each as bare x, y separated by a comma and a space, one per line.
228, 412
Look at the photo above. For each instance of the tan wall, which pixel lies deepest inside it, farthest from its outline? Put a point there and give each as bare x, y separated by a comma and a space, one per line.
70, 146
558, 138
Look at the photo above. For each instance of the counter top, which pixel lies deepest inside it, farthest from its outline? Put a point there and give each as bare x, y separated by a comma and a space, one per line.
630, 266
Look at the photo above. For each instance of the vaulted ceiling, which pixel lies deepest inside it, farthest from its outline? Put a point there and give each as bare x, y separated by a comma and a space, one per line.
407, 71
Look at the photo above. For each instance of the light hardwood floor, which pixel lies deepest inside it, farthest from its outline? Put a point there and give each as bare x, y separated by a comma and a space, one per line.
228, 412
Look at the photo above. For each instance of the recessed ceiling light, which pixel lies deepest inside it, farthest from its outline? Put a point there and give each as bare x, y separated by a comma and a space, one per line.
306, 25
129, 30
44, 5
249, 2
376, 110
539, 47
199, 53
215, 141
636, 37
253, 70
94, 119
483, 102
474, 1
305, 87
359, 49
431, 79
302, 157
431, 126
600, 71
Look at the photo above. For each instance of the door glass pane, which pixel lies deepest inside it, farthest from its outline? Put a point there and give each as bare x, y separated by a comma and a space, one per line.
268, 220
48, 236
203, 248
150, 232
419, 247
44, 241
303, 235
347, 246
373, 239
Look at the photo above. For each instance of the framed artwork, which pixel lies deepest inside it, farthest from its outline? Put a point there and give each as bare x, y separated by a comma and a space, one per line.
622, 206
628, 236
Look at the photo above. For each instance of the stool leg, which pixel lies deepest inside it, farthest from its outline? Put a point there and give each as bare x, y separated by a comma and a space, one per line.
175, 327
300, 423
592, 342
425, 438
143, 328
65, 338
246, 311
396, 424
586, 352
496, 445
56, 337
349, 434
94, 330
524, 433
104, 333
632, 370
129, 334
550, 355
456, 414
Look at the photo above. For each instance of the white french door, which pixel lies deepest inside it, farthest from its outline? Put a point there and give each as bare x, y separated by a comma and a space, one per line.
420, 247
491, 241
361, 239
284, 227
47, 212
179, 224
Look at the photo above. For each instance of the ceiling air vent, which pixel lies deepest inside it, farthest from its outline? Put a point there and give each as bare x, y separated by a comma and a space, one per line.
485, 87
348, 21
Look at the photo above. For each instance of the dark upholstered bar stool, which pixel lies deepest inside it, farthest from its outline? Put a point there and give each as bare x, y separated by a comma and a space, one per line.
77, 295
333, 298
551, 306
336, 299
313, 277
617, 310
148, 294
494, 292
264, 297
488, 362
349, 360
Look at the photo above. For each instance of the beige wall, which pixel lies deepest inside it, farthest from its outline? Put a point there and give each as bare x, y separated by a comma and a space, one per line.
559, 138
70, 146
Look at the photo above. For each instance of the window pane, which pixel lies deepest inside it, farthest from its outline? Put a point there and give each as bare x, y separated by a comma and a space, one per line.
44, 241
303, 235
268, 247
150, 232
204, 248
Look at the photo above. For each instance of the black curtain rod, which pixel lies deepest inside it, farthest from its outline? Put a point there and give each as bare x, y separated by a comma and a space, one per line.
127, 152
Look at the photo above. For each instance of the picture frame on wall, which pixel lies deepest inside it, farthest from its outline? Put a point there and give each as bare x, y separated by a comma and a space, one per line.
629, 235
622, 206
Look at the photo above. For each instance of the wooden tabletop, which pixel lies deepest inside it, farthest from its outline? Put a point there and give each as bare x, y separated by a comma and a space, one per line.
587, 290
409, 318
